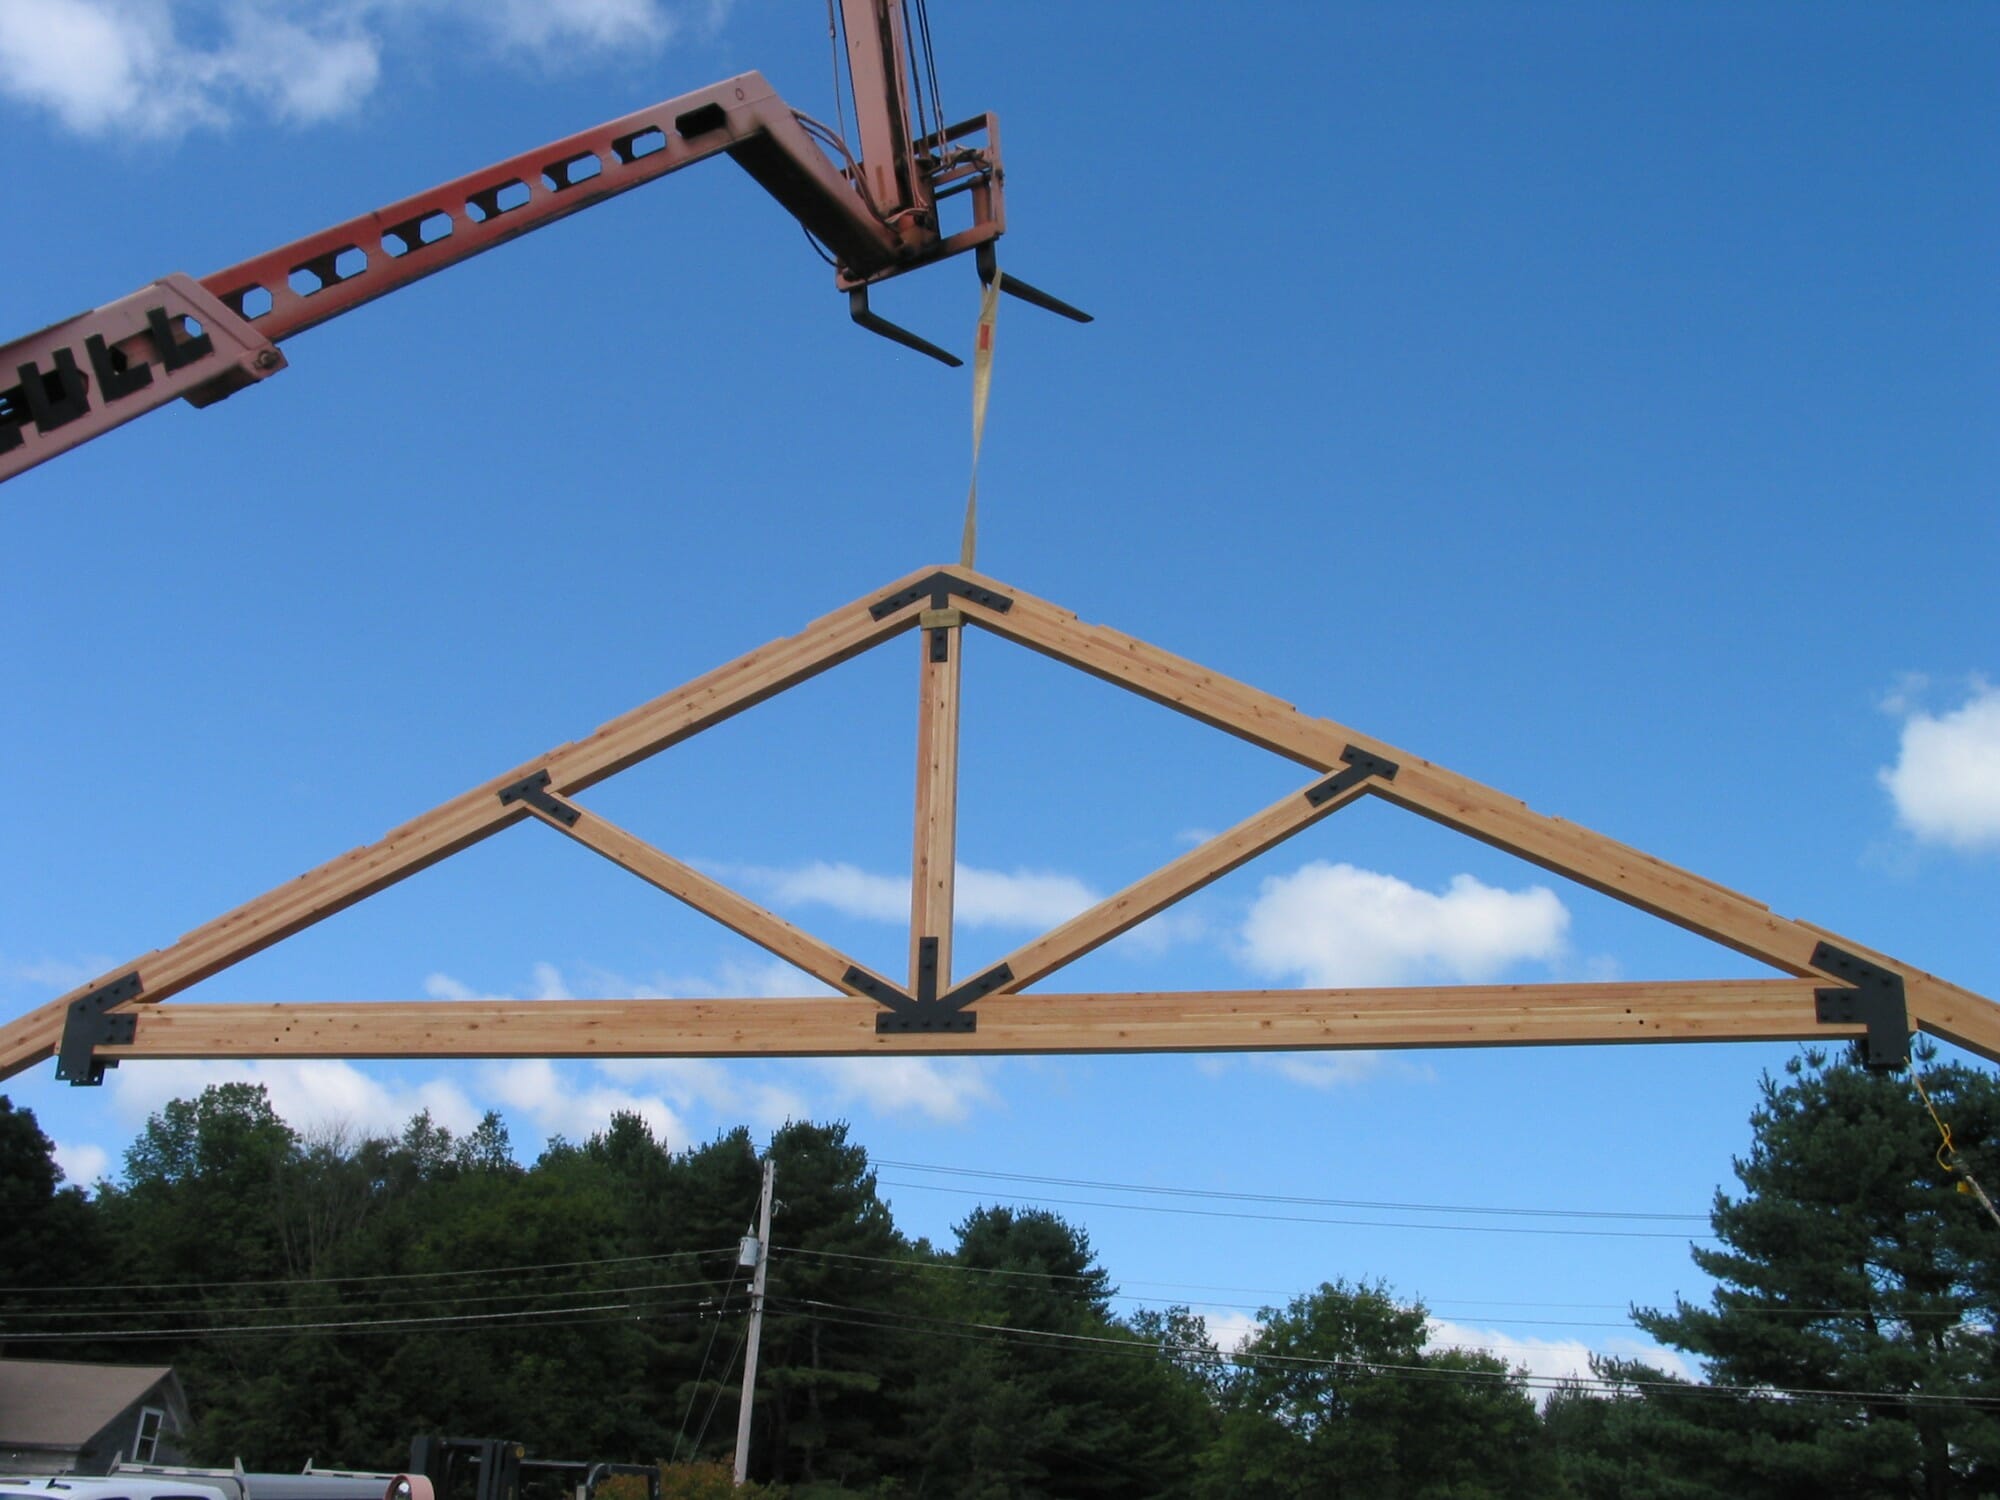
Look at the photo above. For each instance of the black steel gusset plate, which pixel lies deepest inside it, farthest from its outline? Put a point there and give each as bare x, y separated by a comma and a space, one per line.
926, 1010
534, 791
939, 588
932, 1018
1873, 995
86, 1027
1360, 766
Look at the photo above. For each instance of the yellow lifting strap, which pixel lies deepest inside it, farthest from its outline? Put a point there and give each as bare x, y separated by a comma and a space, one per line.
982, 388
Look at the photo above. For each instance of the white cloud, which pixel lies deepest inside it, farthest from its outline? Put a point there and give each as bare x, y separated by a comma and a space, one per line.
596, 24
1552, 1359
162, 67
1946, 780
847, 889
757, 978
1333, 925
310, 1094
1324, 1070
769, 979
549, 984
1176, 927
82, 1163
1231, 1329
559, 1105
444, 987
1318, 1070
698, 1082
945, 1090
1021, 898
1030, 899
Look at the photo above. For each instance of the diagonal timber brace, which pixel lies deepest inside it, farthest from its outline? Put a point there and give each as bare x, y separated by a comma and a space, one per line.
1200, 866
685, 883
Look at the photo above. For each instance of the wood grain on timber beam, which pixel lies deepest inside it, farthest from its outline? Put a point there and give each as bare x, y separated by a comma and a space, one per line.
934, 855
466, 819
1181, 877
1603, 864
1220, 1021
711, 897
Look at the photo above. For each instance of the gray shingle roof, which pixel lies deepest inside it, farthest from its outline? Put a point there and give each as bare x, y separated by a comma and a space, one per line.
54, 1404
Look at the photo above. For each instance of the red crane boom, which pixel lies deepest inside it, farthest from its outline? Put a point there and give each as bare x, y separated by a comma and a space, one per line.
203, 340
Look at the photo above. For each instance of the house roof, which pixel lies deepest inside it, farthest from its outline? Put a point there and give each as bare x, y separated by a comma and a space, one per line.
49, 1403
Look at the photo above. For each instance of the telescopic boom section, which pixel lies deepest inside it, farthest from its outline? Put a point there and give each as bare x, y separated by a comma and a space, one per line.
878, 62
202, 341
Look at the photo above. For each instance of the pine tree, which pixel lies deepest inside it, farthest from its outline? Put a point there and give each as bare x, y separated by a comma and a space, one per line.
1848, 1266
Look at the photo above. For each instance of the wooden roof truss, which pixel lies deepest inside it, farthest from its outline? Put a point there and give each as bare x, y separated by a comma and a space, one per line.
1833, 987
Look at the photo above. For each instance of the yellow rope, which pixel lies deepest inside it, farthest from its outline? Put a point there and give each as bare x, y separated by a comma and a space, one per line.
1966, 1182
1944, 1130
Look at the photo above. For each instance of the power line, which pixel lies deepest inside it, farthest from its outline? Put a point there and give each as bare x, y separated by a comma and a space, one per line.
1221, 1194
1220, 1213
539, 1316
190, 1309
918, 1267
905, 1265
1190, 1286
551, 1265
921, 1324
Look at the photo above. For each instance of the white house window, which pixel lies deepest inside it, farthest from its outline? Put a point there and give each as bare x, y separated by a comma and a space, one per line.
147, 1445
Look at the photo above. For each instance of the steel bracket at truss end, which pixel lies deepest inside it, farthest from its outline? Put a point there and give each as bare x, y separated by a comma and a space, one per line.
1874, 995
939, 588
86, 1027
1360, 766
534, 791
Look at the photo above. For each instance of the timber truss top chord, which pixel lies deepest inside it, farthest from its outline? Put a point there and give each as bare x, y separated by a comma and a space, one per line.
1834, 987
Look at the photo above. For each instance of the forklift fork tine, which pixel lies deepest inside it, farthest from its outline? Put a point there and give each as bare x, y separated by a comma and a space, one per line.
1014, 286
874, 322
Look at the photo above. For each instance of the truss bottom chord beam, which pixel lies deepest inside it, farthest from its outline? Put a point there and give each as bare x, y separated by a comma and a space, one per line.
1211, 1021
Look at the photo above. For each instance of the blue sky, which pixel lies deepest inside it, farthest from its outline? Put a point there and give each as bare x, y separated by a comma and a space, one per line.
1598, 401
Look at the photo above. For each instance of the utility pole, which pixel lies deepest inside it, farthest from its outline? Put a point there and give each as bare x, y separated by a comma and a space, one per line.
762, 1253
